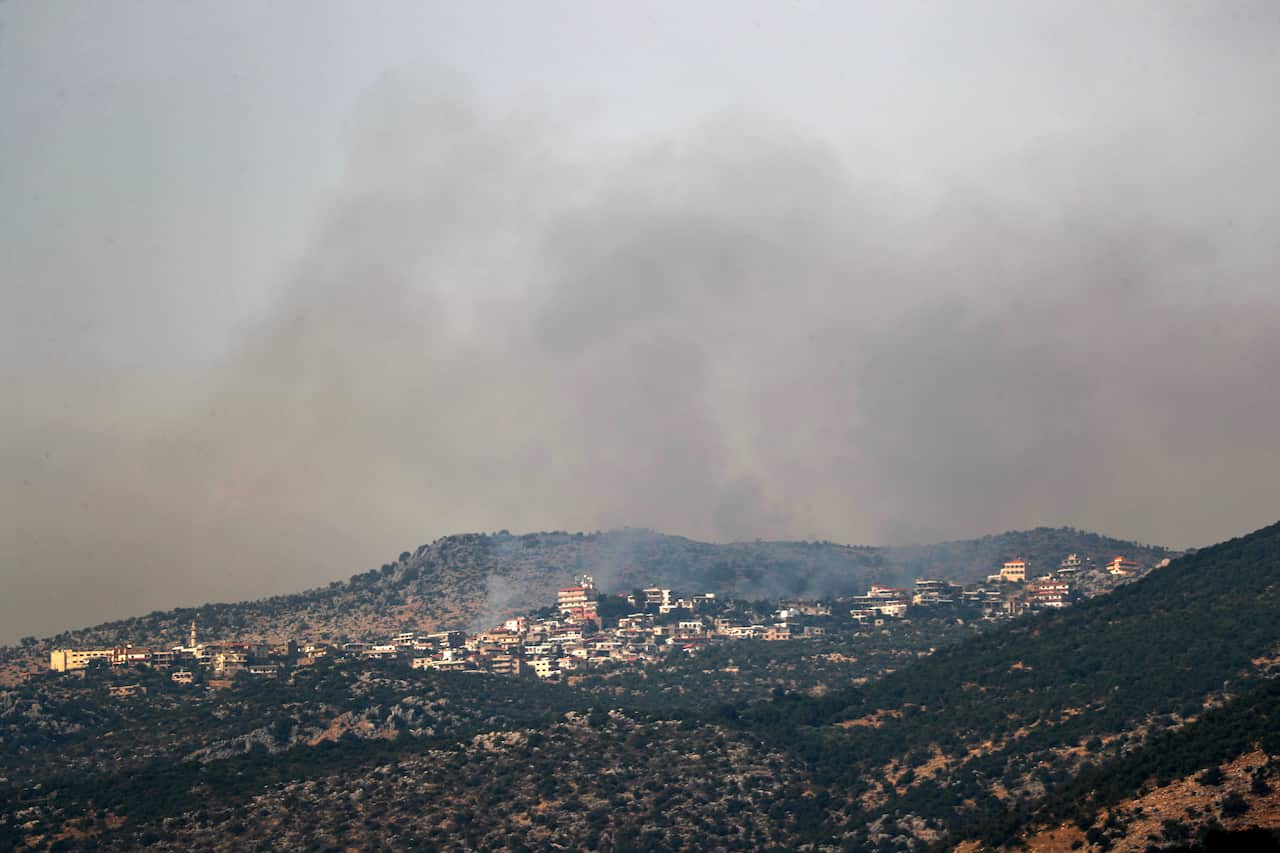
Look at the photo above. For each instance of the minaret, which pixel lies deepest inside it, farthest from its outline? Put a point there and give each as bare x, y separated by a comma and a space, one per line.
193, 634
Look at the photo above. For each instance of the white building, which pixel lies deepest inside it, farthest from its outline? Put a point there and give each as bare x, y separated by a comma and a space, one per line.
65, 660
1013, 571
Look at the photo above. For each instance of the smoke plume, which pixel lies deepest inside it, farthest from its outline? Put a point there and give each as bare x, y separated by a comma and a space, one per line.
730, 331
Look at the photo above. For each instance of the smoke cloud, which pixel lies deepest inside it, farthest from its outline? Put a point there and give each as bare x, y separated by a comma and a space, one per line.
732, 330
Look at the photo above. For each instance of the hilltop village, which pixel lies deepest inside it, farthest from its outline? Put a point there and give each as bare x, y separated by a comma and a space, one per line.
588, 629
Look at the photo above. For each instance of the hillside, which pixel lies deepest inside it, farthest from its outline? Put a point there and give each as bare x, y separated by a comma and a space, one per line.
973, 738
1219, 771
1145, 717
471, 580
970, 560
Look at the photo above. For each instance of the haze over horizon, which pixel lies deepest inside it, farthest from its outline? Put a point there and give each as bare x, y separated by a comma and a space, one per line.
872, 274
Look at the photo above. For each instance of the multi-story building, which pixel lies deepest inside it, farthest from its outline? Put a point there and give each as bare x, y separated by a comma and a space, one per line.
448, 639
702, 600
930, 592
880, 601
657, 596
988, 600
636, 621
503, 664
566, 635
229, 660
127, 655
1051, 593
501, 638
578, 602
65, 660
1122, 566
543, 667
1013, 571
578, 595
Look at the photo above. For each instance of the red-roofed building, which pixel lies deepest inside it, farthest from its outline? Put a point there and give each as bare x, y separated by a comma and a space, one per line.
1121, 566
1013, 571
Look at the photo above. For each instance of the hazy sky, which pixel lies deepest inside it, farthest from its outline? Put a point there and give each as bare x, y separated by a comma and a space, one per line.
288, 288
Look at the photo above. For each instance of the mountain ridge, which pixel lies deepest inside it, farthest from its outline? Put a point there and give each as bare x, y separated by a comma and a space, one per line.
470, 579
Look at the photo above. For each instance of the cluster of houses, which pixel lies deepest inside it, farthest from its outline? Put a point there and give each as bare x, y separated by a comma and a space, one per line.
575, 638
1005, 594
1059, 587
657, 622
221, 659
572, 639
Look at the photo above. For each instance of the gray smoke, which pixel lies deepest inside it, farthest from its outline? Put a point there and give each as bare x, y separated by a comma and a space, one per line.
727, 332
